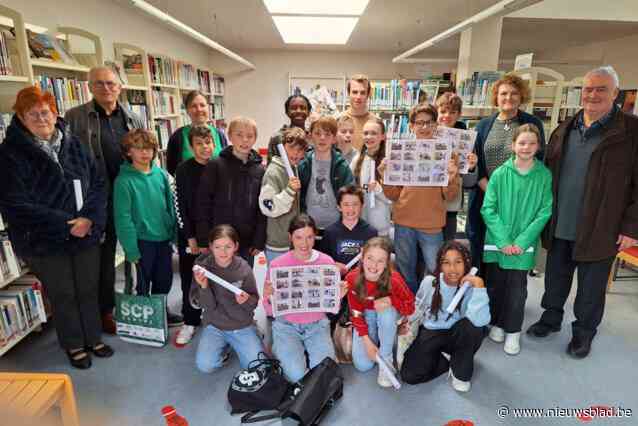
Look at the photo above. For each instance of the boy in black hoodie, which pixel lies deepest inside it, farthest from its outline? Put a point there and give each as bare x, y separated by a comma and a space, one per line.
229, 191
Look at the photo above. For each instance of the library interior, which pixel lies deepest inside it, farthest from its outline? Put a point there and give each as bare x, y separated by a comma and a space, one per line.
164, 167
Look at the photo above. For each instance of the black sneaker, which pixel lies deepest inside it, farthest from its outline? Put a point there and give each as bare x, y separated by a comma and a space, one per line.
540, 329
174, 320
579, 347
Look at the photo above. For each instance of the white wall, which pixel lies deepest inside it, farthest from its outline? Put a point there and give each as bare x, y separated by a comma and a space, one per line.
260, 94
620, 53
112, 22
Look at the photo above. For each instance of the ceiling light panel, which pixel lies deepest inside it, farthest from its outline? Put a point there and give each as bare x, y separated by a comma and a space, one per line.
316, 7
314, 30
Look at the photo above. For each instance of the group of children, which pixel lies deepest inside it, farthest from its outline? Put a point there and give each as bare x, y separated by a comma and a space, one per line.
228, 208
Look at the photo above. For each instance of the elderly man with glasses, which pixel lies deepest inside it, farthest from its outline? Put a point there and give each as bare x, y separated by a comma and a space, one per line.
101, 124
593, 158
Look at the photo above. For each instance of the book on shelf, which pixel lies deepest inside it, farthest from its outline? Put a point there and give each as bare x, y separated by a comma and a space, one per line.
68, 92
9, 266
5, 120
164, 128
218, 109
132, 63
477, 89
22, 306
394, 94
135, 100
188, 78
163, 70
397, 126
203, 78
46, 46
7, 48
164, 102
118, 69
31, 281
219, 85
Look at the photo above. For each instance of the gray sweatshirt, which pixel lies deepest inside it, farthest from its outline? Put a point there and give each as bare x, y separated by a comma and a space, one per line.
219, 305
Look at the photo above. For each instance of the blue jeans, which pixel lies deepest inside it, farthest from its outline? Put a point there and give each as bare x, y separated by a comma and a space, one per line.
273, 254
290, 340
382, 326
406, 243
213, 342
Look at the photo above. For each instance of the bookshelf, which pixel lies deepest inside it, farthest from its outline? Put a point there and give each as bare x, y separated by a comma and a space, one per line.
545, 94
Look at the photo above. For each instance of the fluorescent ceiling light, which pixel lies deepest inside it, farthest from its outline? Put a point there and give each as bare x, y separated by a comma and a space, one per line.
501, 8
316, 7
314, 30
189, 31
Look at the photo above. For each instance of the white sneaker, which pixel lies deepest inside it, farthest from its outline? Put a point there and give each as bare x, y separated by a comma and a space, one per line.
185, 334
460, 385
497, 334
512, 343
382, 380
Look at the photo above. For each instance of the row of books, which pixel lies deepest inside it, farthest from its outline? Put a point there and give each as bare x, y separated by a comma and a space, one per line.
163, 70
397, 126
163, 102
188, 77
164, 129
10, 266
217, 111
477, 90
218, 85
22, 307
7, 42
68, 92
394, 94
142, 111
203, 78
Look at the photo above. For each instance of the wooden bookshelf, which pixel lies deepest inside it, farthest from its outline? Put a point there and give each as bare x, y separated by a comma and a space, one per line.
137, 81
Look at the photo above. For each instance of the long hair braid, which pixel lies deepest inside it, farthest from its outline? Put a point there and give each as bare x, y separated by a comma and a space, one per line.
435, 307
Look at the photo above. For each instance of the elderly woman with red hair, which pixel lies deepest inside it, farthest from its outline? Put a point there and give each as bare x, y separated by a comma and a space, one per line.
57, 234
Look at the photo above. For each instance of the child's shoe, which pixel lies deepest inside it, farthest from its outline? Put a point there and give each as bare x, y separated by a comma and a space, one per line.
185, 334
174, 320
497, 334
460, 385
512, 343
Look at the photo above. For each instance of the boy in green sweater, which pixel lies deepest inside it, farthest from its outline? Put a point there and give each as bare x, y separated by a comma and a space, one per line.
144, 215
518, 204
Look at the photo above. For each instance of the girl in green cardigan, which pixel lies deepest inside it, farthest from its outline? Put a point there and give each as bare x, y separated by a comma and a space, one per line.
517, 205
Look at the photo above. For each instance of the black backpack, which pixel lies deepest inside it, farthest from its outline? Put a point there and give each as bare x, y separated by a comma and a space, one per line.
261, 386
311, 399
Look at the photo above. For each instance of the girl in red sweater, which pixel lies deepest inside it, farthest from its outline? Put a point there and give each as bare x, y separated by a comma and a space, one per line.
378, 297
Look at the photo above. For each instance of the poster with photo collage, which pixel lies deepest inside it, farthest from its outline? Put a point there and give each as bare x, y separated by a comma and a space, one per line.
461, 141
417, 162
302, 289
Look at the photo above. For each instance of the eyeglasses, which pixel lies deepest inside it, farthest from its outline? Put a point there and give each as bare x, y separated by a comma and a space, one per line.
425, 124
42, 115
104, 84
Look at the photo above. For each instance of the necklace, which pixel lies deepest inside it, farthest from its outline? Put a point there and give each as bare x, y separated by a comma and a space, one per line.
507, 126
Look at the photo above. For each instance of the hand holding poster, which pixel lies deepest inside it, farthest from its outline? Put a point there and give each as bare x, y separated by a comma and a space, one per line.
461, 141
303, 289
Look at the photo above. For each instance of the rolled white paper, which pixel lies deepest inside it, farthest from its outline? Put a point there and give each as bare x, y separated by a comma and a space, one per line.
388, 371
353, 262
222, 282
457, 297
370, 180
77, 189
284, 158
491, 247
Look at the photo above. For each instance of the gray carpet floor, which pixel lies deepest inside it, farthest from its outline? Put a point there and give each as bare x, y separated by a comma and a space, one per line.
132, 387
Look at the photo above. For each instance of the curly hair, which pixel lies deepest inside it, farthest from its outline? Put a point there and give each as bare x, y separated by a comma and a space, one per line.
294, 96
435, 306
515, 81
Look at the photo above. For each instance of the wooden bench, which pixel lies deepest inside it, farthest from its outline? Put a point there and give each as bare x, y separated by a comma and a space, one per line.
629, 256
32, 395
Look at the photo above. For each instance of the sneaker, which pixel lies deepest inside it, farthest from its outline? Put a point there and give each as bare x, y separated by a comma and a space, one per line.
497, 334
185, 334
174, 320
540, 329
460, 385
383, 380
512, 343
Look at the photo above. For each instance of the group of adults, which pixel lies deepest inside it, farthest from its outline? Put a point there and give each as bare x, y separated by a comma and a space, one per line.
593, 157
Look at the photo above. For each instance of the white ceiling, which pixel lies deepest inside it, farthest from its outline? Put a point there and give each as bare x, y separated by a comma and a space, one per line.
396, 26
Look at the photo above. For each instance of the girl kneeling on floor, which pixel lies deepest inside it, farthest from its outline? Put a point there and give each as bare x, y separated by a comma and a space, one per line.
458, 334
310, 331
378, 297
227, 318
